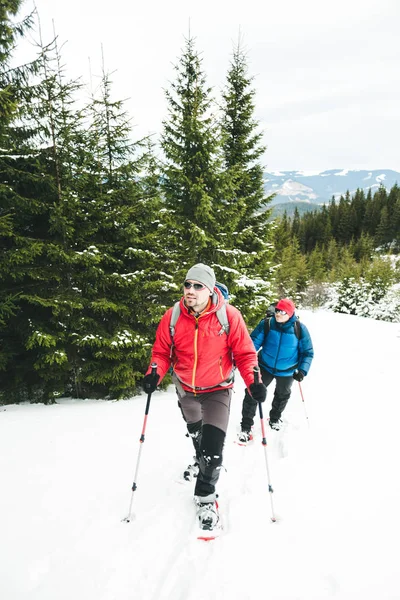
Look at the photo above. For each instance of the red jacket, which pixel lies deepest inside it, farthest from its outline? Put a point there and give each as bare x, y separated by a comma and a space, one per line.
202, 357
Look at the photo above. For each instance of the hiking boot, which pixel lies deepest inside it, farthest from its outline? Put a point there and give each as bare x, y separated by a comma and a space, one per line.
191, 470
245, 436
277, 425
207, 514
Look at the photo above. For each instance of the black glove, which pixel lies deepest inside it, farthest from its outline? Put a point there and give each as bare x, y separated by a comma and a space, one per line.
150, 382
299, 375
258, 391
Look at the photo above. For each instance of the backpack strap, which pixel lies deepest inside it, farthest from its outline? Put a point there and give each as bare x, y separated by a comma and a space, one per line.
267, 326
223, 319
176, 311
221, 313
297, 329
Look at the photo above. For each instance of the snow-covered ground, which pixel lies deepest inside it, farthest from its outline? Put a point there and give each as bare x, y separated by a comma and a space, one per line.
67, 470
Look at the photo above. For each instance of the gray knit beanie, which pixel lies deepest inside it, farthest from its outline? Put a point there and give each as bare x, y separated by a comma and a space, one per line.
202, 273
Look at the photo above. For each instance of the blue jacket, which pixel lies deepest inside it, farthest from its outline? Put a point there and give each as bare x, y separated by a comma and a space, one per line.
281, 352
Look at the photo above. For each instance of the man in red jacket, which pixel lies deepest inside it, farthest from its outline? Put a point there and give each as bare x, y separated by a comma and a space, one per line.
202, 356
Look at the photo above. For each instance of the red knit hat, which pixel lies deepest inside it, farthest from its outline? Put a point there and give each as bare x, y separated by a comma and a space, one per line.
286, 305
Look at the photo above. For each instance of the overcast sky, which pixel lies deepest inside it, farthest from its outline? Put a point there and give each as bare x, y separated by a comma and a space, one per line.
327, 75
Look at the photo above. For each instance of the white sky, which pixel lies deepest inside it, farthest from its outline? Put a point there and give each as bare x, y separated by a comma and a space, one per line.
327, 76
67, 470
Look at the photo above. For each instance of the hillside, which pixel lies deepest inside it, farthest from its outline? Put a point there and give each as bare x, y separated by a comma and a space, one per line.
306, 191
67, 471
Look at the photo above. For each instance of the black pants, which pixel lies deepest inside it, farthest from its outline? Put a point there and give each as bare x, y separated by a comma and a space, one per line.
281, 396
207, 417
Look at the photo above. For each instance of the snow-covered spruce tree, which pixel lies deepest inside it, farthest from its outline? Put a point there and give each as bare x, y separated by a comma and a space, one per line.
316, 266
369, 295
68, 191
244, 255
354, 297
8, 108
388, 308
191, 175
394, 211
396, 224
292, 273
48, 296
24, 213
345, 296
116, 264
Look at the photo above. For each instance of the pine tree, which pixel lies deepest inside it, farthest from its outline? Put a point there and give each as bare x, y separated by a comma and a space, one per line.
292, 273
316, 266
359, 205
363, 248
191, 181
347, 267
326, 226
245, 236
345, 224
379, 274
383, 236
331, 256
80, 256
8, 108
334, 217
55, 300
116, 261
396, 224
296, 223
24, 192
281, 236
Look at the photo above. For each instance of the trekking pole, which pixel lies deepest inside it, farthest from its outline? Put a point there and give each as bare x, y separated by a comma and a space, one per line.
256, 371
304, 404
146, 412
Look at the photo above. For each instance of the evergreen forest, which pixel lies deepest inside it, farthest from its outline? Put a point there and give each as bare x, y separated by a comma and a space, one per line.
97, 228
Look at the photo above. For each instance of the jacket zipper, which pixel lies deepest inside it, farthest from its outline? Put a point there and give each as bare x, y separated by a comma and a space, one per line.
196, 333
279, 347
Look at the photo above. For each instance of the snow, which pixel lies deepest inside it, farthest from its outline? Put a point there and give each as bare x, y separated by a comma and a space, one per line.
67, 472
289, 186
309, 173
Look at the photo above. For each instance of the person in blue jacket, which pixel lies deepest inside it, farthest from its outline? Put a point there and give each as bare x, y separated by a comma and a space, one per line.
285, 354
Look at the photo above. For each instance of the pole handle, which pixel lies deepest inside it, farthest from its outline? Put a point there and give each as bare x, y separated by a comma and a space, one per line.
153, 372
256, 373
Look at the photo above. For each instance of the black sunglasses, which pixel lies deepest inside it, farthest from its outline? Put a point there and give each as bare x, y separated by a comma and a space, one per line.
195, 286
281, 312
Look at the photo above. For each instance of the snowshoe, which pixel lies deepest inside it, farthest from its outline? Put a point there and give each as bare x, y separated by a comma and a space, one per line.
244, 437
276, 425
207, 515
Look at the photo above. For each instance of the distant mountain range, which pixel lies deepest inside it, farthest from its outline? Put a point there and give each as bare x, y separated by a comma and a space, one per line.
307, 191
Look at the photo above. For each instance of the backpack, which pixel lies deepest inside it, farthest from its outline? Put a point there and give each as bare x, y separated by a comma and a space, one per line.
270, 310
223, 289
221, 312
270, 313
